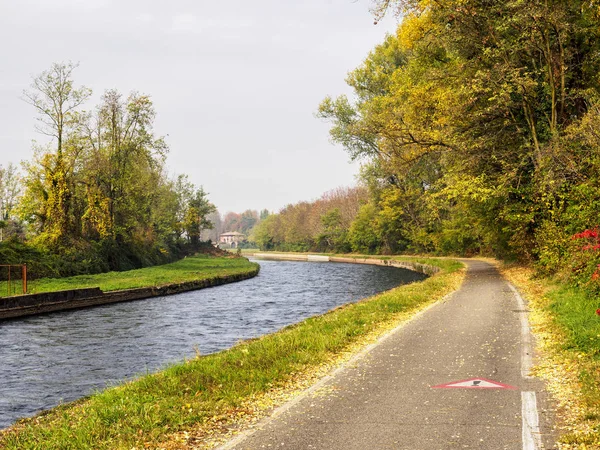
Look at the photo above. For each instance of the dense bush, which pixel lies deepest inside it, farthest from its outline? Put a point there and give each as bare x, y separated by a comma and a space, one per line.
91, 257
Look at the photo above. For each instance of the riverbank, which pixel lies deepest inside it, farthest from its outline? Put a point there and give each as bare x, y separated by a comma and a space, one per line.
191, 273
189, 402
188, 269
414, 264
567, 329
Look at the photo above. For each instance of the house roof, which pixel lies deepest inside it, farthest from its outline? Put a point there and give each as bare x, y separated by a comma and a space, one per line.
232, 233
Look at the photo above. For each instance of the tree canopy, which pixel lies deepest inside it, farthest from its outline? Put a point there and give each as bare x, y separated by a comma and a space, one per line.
474, 123
97, 194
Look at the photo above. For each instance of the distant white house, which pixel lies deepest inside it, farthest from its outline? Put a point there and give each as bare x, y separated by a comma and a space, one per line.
231, 238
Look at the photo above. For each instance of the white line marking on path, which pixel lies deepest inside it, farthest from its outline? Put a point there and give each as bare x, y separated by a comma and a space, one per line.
531, 423
532, 439
526, 359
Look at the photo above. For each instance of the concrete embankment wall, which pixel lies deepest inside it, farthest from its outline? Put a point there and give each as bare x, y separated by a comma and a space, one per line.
410, 265
30, 304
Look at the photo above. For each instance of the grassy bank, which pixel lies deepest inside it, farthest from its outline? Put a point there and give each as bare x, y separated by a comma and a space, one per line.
567, 328
185, 403
198, 267
244, 251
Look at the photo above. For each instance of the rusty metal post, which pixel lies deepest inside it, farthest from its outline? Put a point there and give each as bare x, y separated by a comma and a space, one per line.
24, 279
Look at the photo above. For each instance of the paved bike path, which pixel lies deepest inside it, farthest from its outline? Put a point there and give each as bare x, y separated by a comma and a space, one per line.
386, 399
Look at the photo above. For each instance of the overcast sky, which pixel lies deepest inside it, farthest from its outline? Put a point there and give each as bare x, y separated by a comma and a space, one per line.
235, 84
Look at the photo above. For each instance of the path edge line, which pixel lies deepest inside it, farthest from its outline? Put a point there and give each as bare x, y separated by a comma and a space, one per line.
243, 435
526, 341
531, 421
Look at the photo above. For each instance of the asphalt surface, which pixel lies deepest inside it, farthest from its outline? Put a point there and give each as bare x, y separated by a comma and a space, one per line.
387, 399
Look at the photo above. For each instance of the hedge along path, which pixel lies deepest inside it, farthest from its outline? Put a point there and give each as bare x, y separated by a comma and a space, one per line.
198, 402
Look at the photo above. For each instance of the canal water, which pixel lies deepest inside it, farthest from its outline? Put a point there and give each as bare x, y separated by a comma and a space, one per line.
54, 358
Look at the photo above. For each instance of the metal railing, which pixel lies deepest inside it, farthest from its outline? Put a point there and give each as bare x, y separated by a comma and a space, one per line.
16, 276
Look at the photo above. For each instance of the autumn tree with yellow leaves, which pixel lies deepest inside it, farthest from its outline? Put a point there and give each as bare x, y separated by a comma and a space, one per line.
97, 195
474, 126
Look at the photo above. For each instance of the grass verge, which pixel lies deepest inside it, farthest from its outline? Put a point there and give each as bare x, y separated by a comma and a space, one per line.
243, 251
199, 267
567, 329
186, 403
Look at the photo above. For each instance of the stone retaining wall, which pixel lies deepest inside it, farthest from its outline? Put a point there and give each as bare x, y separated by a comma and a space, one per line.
26, 305
43, 298
410, 265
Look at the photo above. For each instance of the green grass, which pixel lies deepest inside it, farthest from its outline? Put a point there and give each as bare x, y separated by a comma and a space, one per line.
244, 251
198, 267
568, 335
574, 311
148, 412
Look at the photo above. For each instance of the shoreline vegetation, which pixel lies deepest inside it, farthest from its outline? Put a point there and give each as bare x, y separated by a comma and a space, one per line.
192, 402
189, 274
192, 268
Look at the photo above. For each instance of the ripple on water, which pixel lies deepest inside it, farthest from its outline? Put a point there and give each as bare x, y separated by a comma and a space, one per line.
59, 357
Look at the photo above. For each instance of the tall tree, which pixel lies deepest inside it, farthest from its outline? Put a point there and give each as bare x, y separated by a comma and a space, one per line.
125, 164
213, 233
10, 190
471, 95
232, 222
248, 220
264, 214
197, 216
56, 101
